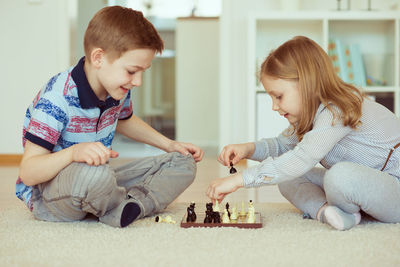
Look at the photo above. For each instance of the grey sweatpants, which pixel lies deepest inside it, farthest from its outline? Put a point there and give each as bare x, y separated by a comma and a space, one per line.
151, 182
348, 186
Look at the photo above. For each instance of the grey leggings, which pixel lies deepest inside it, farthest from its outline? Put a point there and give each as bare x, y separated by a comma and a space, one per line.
152, 182
348, 186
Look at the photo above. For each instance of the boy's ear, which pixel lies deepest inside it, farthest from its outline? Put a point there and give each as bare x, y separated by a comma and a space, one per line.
97, 57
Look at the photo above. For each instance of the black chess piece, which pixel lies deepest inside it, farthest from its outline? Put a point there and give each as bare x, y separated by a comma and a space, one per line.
216, 217
191, 212
227, 209
232, 170
209, 213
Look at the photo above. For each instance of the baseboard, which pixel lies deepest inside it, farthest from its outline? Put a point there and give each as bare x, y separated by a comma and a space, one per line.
10, 159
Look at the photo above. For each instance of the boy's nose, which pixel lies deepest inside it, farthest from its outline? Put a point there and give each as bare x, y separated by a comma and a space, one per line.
137, 81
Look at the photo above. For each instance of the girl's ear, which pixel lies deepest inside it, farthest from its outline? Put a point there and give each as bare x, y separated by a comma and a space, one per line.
97, 57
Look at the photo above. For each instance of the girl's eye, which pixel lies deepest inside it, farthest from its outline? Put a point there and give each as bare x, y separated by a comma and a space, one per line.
278, 97
131, 72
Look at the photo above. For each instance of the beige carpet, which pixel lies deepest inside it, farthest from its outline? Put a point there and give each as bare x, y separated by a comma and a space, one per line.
285, 240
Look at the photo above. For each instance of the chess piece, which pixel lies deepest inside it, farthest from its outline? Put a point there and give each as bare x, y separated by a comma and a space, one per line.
191, 215
251, 218
225, 218
227, 208
167, 219
242, 211
216, 217
232, 170
234, 214
216, 206
209, 213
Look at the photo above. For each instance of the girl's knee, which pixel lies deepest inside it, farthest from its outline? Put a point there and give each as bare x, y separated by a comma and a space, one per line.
338, 175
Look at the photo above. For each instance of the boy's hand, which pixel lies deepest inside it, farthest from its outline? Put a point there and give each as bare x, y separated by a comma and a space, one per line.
185, 149
235, 152
220, 187
93, 153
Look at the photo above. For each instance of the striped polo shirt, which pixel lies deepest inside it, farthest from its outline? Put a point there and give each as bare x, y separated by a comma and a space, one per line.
65, 112
284, 158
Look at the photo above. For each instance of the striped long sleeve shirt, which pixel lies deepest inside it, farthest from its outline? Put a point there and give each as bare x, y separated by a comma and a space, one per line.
284, 158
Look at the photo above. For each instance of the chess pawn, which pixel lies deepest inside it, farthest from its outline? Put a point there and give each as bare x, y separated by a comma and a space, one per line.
234, 213
251, 218
225, 217
216, 206
168, 219
232, 170
251, 209
242, 211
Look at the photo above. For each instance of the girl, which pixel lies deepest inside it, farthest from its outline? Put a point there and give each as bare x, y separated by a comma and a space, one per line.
331, 122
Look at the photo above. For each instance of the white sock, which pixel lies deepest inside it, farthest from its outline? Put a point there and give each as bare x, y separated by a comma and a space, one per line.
339, 219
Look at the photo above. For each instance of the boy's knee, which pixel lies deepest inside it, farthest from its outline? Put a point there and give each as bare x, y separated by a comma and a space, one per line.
93, 180
184, 164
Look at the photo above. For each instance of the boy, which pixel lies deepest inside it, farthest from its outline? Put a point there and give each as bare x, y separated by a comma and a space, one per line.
69, 127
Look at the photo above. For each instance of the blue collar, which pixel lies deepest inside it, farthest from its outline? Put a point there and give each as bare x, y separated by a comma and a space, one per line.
87, 97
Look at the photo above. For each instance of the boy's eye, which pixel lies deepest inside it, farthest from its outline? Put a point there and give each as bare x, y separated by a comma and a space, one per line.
278, 97
131, 72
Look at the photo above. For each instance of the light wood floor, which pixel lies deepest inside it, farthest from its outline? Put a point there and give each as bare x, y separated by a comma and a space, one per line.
207, 170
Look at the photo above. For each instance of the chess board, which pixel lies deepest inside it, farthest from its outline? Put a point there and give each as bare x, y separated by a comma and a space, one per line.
241, 222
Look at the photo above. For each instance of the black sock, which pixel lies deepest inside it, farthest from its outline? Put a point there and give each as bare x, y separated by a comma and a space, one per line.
130, 212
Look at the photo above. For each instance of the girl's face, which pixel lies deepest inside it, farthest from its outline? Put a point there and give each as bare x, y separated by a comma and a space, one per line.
285, 97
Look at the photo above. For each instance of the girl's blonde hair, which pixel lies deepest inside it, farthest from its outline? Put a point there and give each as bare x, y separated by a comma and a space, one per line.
303, 60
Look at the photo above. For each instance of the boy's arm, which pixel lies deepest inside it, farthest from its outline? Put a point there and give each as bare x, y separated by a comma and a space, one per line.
39, 165
136, 129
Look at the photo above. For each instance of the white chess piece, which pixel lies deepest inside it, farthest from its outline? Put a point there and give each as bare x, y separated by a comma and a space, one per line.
242, 211
225, 217
167, 219
234, 213
251, 218
216, 206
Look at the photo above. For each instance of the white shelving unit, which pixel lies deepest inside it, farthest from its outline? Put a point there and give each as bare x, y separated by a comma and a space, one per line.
377, 33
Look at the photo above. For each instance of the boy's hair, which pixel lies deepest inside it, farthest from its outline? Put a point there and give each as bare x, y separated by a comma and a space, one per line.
303, 60
117, 29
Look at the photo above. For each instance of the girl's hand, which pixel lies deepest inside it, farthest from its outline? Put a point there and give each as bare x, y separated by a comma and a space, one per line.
93, 153
235, 152
186, 149
220, 187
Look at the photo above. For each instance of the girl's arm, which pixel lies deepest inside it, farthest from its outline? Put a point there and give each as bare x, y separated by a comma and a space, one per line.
316, 144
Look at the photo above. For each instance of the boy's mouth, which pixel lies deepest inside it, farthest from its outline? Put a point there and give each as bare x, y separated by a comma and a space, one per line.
124, 89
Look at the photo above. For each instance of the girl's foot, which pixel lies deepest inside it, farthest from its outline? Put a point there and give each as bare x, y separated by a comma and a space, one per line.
339, 219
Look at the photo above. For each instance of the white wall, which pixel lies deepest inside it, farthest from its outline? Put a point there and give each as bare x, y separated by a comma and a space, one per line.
197, 79
35, 45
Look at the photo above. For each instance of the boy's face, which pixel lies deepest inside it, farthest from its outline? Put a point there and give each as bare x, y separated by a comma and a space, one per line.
117, 77
285, 97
